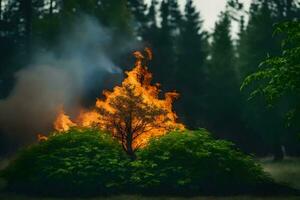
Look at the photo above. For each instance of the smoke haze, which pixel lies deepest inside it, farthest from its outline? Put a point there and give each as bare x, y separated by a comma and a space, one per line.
56, 79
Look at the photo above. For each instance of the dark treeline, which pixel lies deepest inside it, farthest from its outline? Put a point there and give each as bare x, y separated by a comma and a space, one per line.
207, 69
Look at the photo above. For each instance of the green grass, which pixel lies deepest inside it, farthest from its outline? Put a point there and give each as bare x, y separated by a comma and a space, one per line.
287, 171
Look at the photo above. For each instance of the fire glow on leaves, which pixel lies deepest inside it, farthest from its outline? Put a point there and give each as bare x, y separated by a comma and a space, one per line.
132, 112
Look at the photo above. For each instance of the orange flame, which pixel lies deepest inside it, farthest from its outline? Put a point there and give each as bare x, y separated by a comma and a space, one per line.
42, 138
139, 78
63, 122
88, 118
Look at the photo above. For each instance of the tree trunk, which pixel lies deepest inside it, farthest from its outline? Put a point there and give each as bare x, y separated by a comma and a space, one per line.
129, 137
51, 8
129, 149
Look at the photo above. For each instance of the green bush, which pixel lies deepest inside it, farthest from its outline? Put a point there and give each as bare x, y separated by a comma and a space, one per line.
195, 162
87, 162
77, 162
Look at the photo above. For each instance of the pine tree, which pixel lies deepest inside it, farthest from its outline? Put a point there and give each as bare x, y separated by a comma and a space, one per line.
166, 53
190, 68
17, 19
257, 41
152, 14
151, 32
222, 86
138, 9
22, 13
120, 21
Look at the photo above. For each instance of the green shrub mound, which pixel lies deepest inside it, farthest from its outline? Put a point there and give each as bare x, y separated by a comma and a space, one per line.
194, 162
77, 162
90, 162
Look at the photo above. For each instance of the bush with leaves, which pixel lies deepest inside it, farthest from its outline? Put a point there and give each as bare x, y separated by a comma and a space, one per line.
88, 162
195, 162
76, 162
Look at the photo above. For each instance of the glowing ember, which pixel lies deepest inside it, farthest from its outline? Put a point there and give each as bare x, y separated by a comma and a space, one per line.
132, 112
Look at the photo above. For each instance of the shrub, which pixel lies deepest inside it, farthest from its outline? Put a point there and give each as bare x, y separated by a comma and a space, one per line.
88, 162
76, 162
194, 162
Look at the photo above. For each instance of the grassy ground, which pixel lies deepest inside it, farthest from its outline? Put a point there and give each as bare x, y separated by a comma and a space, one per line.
287, 171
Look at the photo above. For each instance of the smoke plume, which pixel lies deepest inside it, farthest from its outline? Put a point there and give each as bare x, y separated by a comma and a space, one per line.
55, 79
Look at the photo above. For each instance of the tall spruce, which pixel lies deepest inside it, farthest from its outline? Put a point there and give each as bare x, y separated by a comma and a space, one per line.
222, 86
16, 37
166, 53
192, 54
257, 41
151, 32
138, 9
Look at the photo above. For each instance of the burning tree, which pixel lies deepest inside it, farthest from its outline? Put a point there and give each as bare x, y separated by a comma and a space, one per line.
130, 118
132, 112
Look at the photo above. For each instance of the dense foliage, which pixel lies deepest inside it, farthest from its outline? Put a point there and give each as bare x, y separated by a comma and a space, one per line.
264, 126
77, 162
85, 162
193, 161
279, 76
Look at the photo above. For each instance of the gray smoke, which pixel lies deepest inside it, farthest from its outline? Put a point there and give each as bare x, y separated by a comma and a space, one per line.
57, 78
